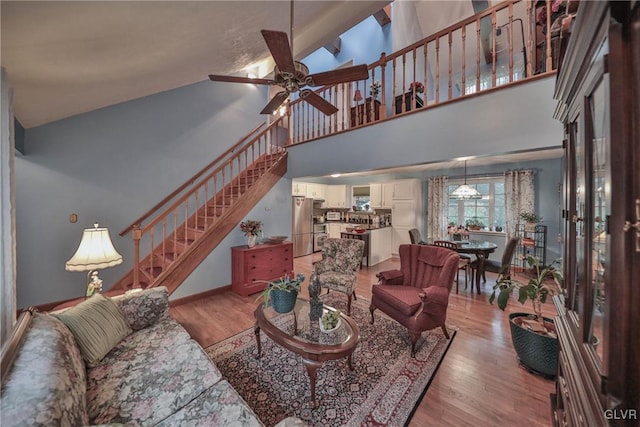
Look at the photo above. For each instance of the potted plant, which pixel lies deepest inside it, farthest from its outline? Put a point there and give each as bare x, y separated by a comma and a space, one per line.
474, 224
330, 321
534, 336
251, 229
530, 219
281, 294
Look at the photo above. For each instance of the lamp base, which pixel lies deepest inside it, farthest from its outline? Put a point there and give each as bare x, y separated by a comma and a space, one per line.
94, 283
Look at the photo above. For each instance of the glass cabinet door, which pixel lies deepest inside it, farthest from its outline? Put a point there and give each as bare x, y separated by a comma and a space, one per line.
599, 187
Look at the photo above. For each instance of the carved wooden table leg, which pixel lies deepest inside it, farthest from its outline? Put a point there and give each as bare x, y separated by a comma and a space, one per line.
349, 362
256, 331
481, 258
312, 368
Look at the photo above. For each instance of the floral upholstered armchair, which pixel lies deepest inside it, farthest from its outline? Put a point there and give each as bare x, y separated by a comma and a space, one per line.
338, 267
417, 295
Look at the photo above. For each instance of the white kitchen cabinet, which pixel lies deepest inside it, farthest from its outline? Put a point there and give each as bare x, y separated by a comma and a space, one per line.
387, 195
299, 188
375, 194
336, 196
381, 195
316, 191
406, 189
380, 242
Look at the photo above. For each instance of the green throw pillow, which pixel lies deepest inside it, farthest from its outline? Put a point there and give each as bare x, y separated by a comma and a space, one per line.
97, 325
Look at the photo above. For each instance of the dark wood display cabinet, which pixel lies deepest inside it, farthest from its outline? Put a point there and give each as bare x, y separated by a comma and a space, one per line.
598, 93
252, 267
408, 102
368, 112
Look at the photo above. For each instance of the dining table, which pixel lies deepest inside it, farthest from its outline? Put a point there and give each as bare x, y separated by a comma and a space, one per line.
481, 249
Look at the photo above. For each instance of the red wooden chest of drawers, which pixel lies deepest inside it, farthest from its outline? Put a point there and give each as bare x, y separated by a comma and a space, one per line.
252, 266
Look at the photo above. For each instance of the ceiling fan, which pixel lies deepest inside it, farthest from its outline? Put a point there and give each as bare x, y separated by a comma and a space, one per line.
293, 76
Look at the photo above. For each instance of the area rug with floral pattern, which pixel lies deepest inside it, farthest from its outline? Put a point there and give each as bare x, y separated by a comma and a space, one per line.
383, 389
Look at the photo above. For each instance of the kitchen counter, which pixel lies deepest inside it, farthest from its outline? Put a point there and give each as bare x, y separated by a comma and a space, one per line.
355, 224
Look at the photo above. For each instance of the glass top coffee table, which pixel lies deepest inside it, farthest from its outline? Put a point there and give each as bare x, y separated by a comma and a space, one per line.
296, 332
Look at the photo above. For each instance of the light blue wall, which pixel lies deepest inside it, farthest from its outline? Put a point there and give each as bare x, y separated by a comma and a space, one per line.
362, 44
112, 165
508, 120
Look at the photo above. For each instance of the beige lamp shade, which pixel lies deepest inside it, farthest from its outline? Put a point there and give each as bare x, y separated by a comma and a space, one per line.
95, 251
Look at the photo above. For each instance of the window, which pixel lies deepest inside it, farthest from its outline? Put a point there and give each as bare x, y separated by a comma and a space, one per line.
490, 210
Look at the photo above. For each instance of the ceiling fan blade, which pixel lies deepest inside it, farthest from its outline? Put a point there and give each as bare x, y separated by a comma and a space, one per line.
319, 102
233, 79
275, 102
349, 74
278, 44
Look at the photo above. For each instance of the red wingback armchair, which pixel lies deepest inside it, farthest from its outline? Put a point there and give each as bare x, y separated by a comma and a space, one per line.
417, 295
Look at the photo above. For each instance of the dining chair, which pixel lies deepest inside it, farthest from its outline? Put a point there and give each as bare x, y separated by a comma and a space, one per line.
500, 267
463, 263
416, 238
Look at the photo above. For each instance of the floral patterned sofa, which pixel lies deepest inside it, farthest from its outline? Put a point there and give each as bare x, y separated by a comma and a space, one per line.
156, 376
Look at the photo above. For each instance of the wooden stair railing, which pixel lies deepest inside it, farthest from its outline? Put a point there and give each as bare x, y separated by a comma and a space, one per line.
497, 47
177, 234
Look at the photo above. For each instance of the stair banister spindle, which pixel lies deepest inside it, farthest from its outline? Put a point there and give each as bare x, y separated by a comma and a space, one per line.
510, 43
493, 50
151, 246
437, 70
164, 241
549, 63
404, 81
414, 100
528, 66
450, 71
393, 82
463, 89
425, 72
477, 55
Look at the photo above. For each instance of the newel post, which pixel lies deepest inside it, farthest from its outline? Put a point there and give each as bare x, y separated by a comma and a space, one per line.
137, 235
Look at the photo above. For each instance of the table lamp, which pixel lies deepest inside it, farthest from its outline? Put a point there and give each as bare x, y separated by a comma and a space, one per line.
94, 253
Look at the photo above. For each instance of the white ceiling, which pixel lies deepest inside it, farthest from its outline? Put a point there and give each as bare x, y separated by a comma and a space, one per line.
66, 58
504, 160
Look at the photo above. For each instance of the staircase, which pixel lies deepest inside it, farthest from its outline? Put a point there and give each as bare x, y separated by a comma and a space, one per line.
177, 234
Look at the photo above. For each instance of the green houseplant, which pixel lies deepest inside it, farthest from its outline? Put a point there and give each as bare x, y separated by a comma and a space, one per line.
330, 320
281, 294
533, 336
474, 224
530, 217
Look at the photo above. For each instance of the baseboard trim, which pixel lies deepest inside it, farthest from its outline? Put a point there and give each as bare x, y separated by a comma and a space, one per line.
190, 298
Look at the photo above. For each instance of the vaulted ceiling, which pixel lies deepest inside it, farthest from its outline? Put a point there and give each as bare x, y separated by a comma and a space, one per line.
68, 57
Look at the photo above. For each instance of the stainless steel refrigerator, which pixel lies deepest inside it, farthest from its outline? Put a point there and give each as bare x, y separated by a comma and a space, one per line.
302, 226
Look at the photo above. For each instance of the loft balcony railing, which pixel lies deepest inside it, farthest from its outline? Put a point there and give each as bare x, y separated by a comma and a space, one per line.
502, 45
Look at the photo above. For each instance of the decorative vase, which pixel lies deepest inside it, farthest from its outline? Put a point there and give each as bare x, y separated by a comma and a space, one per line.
251, 240
538, 353
530, 227
283, 301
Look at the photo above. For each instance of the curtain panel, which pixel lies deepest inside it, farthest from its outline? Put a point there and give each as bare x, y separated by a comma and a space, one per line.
519, 197
437, 207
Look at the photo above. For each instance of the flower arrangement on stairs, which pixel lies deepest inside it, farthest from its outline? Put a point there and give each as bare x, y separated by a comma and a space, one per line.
251, 229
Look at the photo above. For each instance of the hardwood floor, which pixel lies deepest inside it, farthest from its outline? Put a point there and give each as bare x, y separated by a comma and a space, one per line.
479, 382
